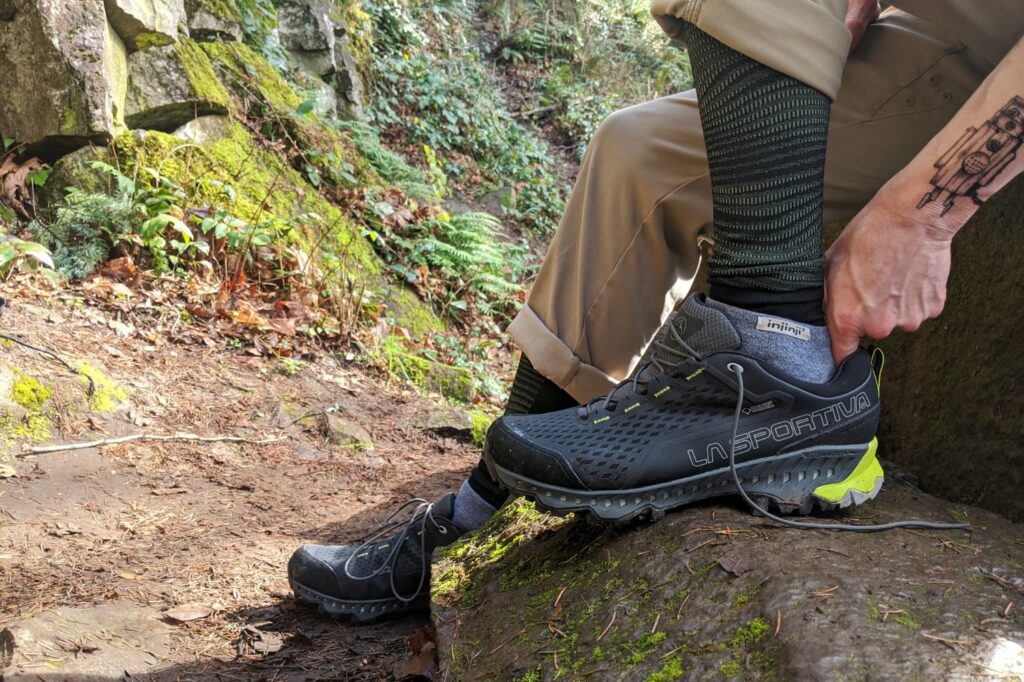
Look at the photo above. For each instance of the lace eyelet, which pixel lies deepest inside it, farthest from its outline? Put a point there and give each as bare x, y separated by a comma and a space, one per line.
442, 530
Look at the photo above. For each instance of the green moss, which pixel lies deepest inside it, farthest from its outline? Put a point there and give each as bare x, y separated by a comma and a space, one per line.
34, 427
730, 668
145, 41
959, 514
222, 9
414, 315
481, 422
449, 381
244, 70
29, 393
108, 394
671, 671
200, 73
535, 675
642, 647
69, 122
750, 633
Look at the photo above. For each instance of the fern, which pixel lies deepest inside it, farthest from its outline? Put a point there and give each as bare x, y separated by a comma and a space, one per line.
79, 237
391, 167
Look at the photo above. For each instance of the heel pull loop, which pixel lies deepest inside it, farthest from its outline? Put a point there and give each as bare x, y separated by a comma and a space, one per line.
877, 365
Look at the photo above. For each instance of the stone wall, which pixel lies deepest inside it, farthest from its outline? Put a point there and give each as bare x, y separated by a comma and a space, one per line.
82, 71
951, 392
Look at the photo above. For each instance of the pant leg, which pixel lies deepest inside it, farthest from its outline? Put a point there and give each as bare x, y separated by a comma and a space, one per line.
804, 39
626, 250
627, 240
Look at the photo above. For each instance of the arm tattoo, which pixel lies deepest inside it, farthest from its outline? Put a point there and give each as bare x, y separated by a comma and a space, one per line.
978, 157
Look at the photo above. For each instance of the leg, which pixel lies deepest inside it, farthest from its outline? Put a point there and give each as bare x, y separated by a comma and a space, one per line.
664, 438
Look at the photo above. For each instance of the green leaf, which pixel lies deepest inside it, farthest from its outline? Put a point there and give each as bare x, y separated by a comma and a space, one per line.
305, 107
36, 251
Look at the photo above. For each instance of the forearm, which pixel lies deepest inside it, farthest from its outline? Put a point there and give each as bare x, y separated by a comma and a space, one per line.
978, 152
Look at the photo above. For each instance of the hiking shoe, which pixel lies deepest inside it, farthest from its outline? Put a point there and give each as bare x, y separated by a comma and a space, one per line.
388, 574
662, 438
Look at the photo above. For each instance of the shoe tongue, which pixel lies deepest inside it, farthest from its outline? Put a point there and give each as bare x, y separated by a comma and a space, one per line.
703, 328
445, 507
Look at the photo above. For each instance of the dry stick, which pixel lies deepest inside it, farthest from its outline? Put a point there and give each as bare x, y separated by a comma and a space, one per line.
40, 450
50, 353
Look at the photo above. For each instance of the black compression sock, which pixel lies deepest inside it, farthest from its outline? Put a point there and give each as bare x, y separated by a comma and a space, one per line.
765, 135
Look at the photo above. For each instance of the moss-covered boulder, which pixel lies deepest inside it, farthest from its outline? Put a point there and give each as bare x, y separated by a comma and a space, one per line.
63, 73
169, 86
713, 593
142, 24
214, 20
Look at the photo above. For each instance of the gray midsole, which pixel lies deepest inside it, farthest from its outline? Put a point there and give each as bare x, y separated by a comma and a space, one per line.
789, 478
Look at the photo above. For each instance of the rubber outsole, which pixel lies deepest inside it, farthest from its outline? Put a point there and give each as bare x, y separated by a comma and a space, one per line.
821, 479
360, 611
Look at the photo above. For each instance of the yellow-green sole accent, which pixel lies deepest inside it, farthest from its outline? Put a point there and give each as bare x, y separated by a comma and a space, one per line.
861, 485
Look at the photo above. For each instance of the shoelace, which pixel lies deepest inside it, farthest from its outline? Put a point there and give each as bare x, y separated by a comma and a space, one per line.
423, 512
737, 370
642, 376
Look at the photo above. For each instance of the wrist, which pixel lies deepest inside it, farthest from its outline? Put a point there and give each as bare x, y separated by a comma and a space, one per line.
902, 200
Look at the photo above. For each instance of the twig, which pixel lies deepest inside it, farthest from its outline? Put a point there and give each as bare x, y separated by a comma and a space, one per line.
43, 449
607, 627
778, 621
50, 353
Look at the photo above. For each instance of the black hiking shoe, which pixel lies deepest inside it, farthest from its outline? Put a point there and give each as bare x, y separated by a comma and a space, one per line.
385, 575
662, 438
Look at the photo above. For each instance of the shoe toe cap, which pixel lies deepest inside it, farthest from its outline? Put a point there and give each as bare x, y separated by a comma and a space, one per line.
316, 567
510, 446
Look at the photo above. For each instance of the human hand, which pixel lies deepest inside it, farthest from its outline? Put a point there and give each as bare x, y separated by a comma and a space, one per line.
887, 270
859, 14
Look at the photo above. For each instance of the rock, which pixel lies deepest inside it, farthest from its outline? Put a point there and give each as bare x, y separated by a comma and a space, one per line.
349, 84
213, 20
307, 33
75, 170
63, 73
449, 381
322, 94
142, 24
345, 432
117, 640
205, 129
950, 391
169, 86
305, 26
700, 595
450, 421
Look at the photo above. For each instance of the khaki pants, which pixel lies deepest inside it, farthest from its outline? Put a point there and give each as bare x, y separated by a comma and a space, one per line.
627, 248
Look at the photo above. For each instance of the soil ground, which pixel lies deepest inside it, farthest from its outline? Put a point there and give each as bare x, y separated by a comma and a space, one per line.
95, 544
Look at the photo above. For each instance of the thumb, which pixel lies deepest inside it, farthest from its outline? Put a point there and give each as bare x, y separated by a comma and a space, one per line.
844, 344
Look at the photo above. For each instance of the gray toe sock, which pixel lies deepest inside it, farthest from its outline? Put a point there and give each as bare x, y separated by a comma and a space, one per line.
803, 351
471, 510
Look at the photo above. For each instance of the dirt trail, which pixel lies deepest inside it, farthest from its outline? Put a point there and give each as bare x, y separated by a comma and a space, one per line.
95, 544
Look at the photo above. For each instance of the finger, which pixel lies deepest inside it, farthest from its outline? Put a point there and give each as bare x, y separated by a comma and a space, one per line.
843, 347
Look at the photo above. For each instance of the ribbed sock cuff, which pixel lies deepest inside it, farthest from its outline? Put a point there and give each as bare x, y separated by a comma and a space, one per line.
471, 510
803, 305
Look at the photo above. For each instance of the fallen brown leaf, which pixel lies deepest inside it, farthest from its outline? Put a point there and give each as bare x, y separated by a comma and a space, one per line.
188, 612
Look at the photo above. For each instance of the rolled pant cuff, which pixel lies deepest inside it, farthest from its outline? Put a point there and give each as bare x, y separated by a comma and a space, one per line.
555, 360
804, 39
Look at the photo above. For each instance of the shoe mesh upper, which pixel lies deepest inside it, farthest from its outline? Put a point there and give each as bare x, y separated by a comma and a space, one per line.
605, 453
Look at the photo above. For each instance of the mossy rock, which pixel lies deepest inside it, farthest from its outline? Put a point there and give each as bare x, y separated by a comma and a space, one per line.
436, 377
713, 593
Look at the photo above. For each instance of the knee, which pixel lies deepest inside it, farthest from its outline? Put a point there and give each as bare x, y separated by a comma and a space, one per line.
622, 137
